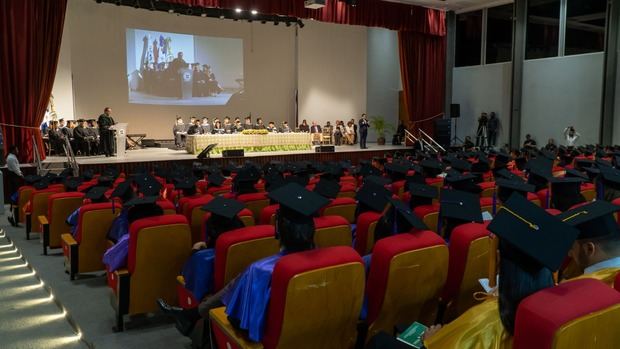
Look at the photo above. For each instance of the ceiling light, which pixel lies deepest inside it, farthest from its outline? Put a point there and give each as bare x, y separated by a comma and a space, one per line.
254, 12
171, 11
238, 10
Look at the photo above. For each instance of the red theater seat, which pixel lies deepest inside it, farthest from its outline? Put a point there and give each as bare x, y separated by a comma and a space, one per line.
577, 314
255, 202
37, 206
60, 206
344, 207
429, 214
158, 247
407, 273
194, 213
332, 231
469, 261
365, 232
84, 253
167, 206
267, 215
488, 189
316, 298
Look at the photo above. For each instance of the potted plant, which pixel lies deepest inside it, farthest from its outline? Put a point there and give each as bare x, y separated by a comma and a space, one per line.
379, 125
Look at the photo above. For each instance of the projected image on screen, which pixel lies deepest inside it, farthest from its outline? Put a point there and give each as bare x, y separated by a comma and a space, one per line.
180, 69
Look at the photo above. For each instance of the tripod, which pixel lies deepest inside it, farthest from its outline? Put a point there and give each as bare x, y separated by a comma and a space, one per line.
454, 139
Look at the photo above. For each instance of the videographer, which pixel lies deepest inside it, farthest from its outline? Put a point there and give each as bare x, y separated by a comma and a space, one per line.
481, 133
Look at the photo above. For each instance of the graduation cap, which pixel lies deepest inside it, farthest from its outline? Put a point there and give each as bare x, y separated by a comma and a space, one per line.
505, 188
111, 172
520, 162
464, 183
396, 171
547, 154
373, 196
216, 179
593, 220
527, 228
504, 173
96, 193
42, 184
296, 202
378, 180
144, 200
52, 178
592, 172
405, 215
327, 188
539, 173
460, 165
501, 159
422, 194
32, 179
460, 205
480, 167
227, 208
575, 174
123, 190
368, 170
104, 181
431, 168
72, 184
583, 163
87, 175
186, 183
67, 172
566, 192
274, 181
149, 187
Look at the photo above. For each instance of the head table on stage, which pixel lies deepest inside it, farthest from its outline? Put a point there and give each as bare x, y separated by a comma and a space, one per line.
250, 142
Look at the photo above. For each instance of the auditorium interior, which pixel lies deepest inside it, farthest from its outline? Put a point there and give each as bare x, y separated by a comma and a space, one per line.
338, 174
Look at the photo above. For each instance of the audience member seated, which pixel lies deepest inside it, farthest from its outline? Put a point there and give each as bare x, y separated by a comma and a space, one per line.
196, 128
304, 127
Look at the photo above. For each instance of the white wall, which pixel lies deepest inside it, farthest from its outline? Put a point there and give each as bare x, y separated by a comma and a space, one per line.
482, 89
332, 72
558, 92
63, 89
384, 80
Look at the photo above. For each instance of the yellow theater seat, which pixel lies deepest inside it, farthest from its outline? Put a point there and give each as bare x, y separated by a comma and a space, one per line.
38, 207
60, 206
332, 231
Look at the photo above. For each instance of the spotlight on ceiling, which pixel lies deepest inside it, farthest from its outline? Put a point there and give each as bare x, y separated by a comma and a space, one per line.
254, 12
238, 10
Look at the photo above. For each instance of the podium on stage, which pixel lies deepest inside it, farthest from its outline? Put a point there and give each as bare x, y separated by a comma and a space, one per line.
121, 138
186, 76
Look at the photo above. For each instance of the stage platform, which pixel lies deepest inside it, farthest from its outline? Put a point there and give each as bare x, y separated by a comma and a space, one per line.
149, 158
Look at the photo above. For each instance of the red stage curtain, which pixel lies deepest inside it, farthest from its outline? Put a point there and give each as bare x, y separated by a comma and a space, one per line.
423, 72
371, 13
31, 32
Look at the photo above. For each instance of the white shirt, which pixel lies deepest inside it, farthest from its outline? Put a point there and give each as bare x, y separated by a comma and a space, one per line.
609, 263
13, 164
571, 140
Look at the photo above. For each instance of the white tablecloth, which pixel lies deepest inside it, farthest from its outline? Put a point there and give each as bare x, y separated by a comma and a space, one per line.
249, 143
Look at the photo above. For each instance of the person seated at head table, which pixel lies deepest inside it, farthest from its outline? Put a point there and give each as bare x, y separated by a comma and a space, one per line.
206, 126
259, 124
196, 128
179, 131
285, 127
57, 138
217, 128
271, 127
246, 297
227, 125
237, 127
247, 125
525, 267
304, 127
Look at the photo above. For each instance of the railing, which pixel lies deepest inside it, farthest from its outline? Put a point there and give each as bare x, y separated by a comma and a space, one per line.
424, 140
431, 141
71, 158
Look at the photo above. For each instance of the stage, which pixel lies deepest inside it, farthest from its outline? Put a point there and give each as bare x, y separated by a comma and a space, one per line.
149, 158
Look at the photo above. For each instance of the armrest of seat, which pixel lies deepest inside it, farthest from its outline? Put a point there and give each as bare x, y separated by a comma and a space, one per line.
181, 280
122, 277
68, 240
46, 232
70, 250
226, 335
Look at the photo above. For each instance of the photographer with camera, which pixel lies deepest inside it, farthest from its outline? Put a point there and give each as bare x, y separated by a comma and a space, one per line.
571, 136
481, 133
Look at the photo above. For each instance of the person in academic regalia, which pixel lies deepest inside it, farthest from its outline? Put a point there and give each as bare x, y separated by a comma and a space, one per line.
105, 121
525, 267
179, 132
120, 224
596, 252
247, 296
95, 195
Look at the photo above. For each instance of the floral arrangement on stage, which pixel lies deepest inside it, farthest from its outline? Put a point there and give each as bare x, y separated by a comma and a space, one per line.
255, 132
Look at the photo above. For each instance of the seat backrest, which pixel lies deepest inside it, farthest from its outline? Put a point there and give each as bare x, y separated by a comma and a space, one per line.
332, 231
316, 298
469, 261
59, 207
39, 206
237, 249
255, 202
365, 232
576, 314
23, 197
194, 213
267, 215
343, 206
158, 248
215, 191
407, 273
94, 221
167, 206
429, 214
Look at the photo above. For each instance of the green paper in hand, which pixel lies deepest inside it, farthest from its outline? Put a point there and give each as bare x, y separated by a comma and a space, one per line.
413, 335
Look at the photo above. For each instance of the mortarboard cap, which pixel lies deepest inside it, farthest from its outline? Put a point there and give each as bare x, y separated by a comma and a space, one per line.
532, 231
72, 184
149, 187
185, 183
403, 211
506, 187
460, 165
32, 179
104, 181
593, 220
216, 179
566, 192
227, 208
571, 173
504, 173
327, 188
378, 180
297, 202
122, 190
144, 200
374, 196
96, 193
423, 190
42, 184
87, 175
460, 205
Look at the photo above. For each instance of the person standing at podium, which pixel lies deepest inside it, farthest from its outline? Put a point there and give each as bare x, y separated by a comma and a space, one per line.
106, 135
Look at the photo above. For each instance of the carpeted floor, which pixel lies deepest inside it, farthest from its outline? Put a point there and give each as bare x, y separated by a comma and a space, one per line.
30, 319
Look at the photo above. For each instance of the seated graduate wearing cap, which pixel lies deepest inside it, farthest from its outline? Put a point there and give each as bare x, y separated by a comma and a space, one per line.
116, 256
198, 270
456, 208
533, 244
597, 248
120, 224
95, 195
246, 297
